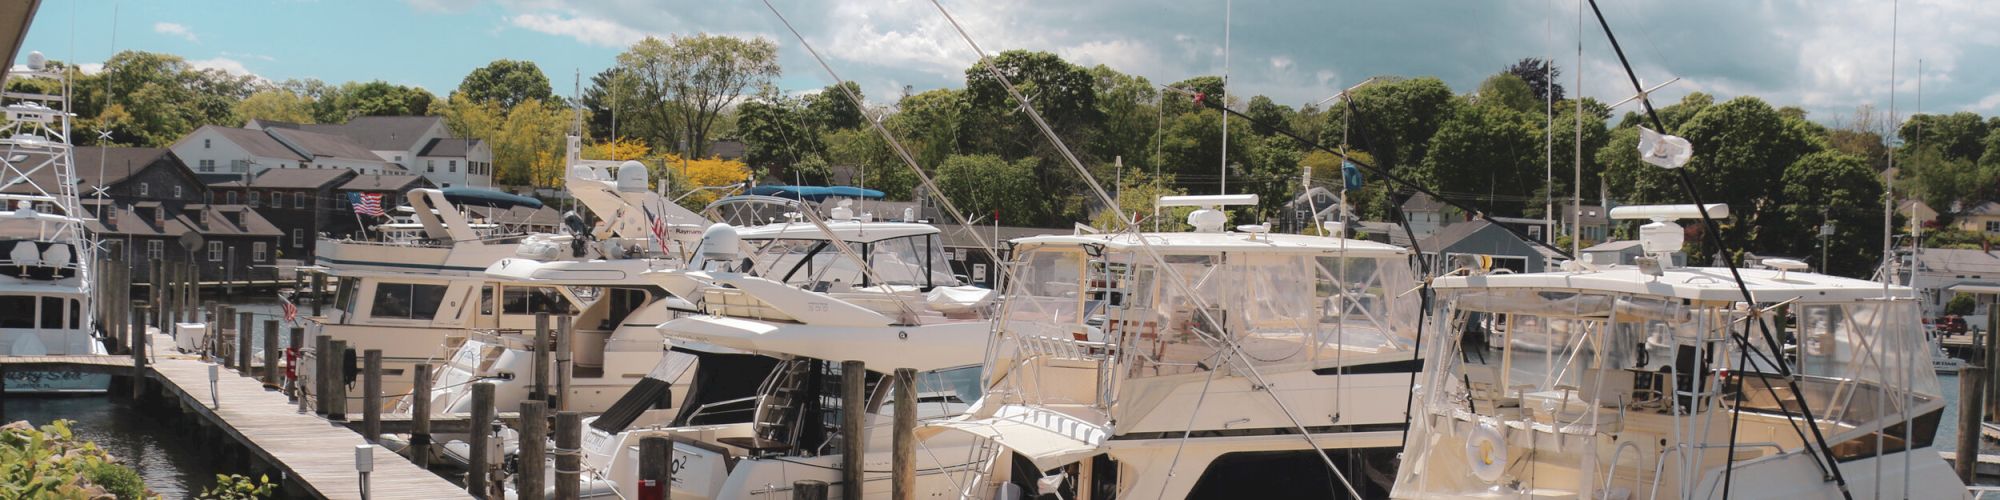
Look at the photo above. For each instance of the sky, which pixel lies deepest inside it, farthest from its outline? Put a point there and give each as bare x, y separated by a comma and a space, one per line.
1827, 56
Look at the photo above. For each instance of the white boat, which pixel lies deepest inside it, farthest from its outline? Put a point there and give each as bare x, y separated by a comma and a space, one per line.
1655, 394
1942, 361
1110, 379
45, 249
763, 405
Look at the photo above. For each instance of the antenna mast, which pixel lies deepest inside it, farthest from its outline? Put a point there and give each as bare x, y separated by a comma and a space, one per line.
1227, 7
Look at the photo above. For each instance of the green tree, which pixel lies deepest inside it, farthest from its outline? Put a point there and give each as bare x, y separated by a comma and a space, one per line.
1945, 184
780, 133
1264, 114
1742, 149
687, 81
832, 109
1063, 93
1395, 120
1541, 77
1957, 135
507, 82
869, 155
987, 184
158, 98
375, 98
609, 102
1823, 186
1128, 105
929, 123
1486, 152
1508, 91
275, 104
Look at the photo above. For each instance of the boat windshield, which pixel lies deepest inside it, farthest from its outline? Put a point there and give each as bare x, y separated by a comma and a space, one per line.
916, 260
1280, 308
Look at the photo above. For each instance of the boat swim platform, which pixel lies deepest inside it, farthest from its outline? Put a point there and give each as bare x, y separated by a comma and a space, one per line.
312, 453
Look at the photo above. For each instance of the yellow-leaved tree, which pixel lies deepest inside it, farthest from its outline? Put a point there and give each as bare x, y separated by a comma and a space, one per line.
705, 179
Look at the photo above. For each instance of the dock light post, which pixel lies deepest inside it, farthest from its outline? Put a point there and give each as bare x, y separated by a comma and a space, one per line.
214, 370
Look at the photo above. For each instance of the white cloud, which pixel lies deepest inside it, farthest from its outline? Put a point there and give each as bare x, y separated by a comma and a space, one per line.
225, 64
588, 30
443, 6
1989, 104
175, 29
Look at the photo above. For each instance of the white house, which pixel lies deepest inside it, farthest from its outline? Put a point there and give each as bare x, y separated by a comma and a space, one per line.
423, 145
218, 153
1939, 269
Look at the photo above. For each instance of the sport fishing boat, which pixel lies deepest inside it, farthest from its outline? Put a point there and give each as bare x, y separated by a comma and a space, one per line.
46, 276
1667, 383
780, 307
1204, 364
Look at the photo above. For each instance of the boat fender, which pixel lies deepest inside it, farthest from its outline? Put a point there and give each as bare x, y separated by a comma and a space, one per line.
349, 367
1486, 452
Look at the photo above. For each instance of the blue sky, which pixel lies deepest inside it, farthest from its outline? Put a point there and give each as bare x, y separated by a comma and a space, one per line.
1828, 56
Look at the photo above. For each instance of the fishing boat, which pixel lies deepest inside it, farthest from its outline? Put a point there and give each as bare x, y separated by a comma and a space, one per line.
1669, 384
45, 249
780, 307
1203, 364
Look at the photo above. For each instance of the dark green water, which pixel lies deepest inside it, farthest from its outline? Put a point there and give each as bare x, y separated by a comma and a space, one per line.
173, 464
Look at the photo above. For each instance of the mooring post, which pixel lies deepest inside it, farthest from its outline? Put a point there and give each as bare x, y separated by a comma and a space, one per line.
318, 291
1992, 351
530, 484
245, 327
478, 460
294, 354
565, 336
420, 416
656, 468
903, 439
807, 489
539, 390
270, 372
322, 374
1970, 380
569, 456
371, 393
224, 323
853, 443
336, 398
138, 353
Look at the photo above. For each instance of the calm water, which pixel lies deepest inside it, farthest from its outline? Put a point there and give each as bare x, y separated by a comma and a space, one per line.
173, 464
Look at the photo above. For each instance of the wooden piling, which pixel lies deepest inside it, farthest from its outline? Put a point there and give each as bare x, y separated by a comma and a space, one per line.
296, 346
336, 396
853, 443
244, 325
903, 439
807, 489
322, 373
1970, 380
478, 462
271, 360
539, 391
569, 456
139, 353
420, 416
371, 394
225, 322
565, 338
529, 483
1987, 359
656, 471
318, 291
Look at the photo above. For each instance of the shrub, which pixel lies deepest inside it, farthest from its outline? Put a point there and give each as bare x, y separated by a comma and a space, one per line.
238, 487
49, 462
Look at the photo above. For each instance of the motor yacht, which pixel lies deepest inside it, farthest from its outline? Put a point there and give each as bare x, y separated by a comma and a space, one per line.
1203, 364
46, 250
1664, 382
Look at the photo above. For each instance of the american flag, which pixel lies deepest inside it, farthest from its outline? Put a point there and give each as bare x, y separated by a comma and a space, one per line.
367, 203
659, 229
291, 311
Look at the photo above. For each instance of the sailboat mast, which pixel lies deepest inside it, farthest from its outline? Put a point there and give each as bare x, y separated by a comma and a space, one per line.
1576, 186
1228, 6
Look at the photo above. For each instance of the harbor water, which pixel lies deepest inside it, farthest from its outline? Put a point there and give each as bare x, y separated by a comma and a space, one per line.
170, 460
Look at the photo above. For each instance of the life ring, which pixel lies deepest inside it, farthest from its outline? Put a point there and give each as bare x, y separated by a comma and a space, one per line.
1486, 452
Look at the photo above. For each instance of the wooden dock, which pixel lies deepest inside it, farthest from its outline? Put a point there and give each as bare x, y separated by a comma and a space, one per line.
313, 453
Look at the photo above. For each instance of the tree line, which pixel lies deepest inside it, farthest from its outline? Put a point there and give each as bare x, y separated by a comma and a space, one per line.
666, 102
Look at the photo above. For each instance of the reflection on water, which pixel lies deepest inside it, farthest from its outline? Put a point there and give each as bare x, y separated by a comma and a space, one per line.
172, 463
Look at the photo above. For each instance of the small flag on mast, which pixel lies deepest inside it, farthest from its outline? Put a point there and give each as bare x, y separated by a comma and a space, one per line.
291, 311
366, 203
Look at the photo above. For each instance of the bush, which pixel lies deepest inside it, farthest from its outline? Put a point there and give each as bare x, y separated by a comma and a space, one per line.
1961, 304
50, 463
238, 487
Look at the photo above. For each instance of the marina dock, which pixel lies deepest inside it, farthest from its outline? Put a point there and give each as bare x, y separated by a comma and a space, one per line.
314, 456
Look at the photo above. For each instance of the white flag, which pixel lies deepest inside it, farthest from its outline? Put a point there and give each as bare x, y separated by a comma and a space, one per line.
1665, 151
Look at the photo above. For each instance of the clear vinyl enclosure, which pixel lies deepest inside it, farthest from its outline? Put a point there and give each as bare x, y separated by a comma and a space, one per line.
1284, 308
1557, 391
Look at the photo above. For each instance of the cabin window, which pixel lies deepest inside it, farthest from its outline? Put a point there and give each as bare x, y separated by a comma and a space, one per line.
343, 295
486, 300
75, 319
17, 303
531, 300
155, 250
406, 301
257, 251
52, 313
299, 199
940, 393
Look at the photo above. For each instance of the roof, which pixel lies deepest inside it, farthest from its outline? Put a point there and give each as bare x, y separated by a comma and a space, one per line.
1952, 260
385, 133
256, 142
1614, 246
383, 182
253, 223
1423, 203
1987, 208
323, 145
1593, 215
1694, 283
299, 178
131, 224
97, 166
1219, 242
449, 147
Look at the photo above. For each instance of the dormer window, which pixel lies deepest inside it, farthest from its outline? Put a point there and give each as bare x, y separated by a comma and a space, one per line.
207, 143
144, 190
177, 192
